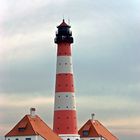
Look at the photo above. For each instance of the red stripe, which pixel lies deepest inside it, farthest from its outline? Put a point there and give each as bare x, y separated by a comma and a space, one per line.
65, 122
64, 49
64, 83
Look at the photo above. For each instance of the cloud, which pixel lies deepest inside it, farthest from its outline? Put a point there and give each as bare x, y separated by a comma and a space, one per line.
22, 8
107, 107
17, 101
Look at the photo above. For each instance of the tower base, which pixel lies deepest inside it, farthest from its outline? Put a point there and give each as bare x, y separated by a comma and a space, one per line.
70, 136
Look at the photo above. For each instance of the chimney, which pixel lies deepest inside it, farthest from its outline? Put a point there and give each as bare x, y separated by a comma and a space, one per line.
32, 112
92, 116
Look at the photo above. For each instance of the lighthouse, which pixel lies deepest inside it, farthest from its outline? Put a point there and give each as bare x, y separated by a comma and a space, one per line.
65, 116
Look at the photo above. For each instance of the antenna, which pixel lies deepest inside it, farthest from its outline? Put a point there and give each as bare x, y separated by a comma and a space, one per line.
63, 17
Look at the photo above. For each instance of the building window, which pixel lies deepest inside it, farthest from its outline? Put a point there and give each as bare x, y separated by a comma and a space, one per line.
16, 139
21, 129
68, 139
28, 139
92, 139
85, 133
8, 139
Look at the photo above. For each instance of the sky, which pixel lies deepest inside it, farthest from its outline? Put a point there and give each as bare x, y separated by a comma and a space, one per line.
105, 53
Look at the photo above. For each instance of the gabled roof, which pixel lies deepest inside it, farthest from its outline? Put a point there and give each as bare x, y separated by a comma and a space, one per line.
96, 129
29, 126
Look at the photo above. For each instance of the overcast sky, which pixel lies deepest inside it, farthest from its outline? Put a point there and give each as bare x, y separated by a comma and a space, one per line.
105, 57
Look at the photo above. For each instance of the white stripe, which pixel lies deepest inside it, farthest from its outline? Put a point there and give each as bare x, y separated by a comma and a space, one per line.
65, 101
64, 64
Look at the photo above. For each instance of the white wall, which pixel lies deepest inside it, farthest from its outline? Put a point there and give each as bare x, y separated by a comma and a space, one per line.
70, 136
24, 138
92, 138
40, 138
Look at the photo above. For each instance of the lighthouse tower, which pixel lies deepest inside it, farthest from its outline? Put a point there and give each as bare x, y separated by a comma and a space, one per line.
65, 118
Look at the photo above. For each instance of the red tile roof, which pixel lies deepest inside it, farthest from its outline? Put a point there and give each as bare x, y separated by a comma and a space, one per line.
33, 126
22, 125
96, 129
86, 128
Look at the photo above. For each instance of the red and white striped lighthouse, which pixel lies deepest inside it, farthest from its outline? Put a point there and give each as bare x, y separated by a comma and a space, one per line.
65, 117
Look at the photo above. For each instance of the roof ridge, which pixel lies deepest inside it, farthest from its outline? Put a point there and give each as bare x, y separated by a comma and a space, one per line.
93, 126
38, 119
31, 124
